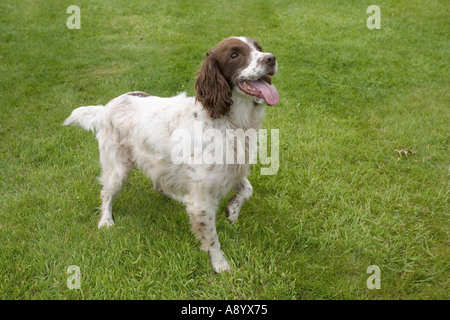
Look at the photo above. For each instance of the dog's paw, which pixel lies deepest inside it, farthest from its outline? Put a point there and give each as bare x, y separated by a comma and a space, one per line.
105, 222
218, 261
232, 212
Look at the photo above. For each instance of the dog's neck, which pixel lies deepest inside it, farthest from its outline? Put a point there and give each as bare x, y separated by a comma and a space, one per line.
245, 113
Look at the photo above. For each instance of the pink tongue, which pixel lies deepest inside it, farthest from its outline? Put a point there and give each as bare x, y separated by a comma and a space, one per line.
268, 91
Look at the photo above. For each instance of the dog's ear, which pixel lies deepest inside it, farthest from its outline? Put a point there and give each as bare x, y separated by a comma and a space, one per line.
212, 89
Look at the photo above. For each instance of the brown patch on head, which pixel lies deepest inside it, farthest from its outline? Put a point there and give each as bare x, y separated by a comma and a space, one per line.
232, 55
217, 74
140, 94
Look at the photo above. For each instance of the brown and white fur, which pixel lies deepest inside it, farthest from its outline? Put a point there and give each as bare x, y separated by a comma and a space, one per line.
134, 130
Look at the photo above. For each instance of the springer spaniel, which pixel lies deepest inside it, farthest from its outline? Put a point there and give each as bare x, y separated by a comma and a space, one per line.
135, 130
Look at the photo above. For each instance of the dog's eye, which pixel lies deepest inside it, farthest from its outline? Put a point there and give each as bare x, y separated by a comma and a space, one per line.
234, 55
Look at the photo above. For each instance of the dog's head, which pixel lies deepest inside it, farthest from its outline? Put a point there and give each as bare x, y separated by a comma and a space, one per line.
236, 64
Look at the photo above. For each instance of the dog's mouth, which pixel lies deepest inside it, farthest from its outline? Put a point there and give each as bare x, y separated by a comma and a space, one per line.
259, 89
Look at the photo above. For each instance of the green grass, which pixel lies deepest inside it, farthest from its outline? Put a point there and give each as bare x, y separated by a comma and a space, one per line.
343, 199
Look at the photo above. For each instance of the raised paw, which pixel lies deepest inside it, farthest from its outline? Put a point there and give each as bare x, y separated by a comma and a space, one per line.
232, 211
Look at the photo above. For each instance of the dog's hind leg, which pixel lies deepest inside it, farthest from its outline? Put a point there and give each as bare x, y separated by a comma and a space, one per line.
116, 165
244, 191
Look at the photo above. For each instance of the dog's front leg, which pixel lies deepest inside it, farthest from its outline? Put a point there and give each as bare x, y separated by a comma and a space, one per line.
244, 191
203, 221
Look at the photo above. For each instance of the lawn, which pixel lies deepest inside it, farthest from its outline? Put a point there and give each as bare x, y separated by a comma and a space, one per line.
363, 124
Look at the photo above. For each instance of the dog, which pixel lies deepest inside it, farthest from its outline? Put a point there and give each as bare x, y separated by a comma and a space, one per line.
232, 88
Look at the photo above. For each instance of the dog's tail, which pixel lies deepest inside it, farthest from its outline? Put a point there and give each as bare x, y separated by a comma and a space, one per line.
86, 117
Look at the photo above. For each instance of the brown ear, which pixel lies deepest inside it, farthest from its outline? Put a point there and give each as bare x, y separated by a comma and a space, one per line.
212, 89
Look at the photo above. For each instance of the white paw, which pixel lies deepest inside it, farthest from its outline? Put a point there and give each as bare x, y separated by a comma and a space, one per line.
232, 218
218, 261
105, 222
232, 212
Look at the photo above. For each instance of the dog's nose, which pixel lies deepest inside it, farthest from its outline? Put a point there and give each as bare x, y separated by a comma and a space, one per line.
270, 60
